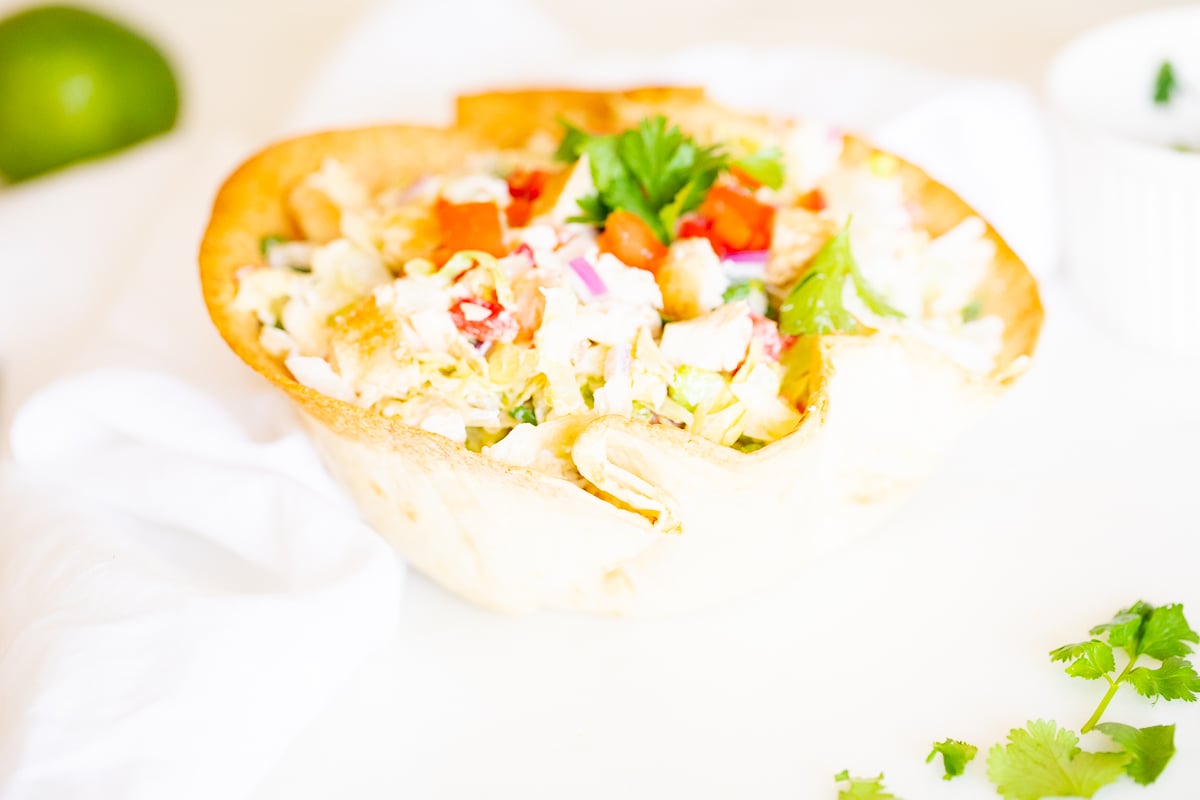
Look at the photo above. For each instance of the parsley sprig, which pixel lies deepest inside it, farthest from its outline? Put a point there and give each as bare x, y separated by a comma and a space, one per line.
656, 171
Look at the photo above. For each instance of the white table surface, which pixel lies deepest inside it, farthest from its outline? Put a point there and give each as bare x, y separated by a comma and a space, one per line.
1077, 497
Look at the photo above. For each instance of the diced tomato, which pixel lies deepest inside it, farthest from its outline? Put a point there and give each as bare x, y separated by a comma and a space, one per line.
524, 186
527, 184
518, 212
739, 221
484, 320
732, 221
469, 226
813, 201
766, 330
629, 238
695, 226
734, 231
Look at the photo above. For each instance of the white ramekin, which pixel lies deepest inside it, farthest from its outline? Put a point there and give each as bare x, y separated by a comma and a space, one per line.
1131, 201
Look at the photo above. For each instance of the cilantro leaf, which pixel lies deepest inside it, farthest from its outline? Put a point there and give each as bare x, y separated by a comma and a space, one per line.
594, 210
1150, 749
1042, 760
1166, 633
764, 166
752, 290
815, 305
862, 788
653, 170
691, 386
658, 157
1090, 660
708, 164
1165, 84
955, 756
672, 172
871, 298
571, 146
972, 310
267, 242
615, 184
670, 213
1125, 628
524, 413
1176, 679
1159, 632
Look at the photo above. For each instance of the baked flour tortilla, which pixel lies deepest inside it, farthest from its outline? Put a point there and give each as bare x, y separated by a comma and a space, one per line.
690, 522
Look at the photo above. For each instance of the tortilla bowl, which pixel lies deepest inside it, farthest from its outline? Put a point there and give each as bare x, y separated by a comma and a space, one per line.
670, 522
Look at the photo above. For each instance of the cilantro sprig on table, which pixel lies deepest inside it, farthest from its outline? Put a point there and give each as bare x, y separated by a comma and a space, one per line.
1142, 646
656, 171
1043, 760
1138, 632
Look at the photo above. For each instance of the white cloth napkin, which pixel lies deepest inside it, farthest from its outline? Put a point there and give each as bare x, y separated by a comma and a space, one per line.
180, 586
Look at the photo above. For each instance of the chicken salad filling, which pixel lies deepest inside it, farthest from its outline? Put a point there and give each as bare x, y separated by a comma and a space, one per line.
639, 274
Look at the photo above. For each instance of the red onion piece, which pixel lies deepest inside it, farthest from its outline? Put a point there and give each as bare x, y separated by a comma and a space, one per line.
749, 257
588, 275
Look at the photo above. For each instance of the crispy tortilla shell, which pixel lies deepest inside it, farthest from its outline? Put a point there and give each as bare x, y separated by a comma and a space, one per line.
669, 521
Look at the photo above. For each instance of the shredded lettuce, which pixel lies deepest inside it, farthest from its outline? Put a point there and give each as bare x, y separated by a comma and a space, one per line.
756, 385
692, 386
720, 418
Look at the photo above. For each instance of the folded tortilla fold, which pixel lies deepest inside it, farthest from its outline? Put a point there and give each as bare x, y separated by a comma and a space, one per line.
669, 521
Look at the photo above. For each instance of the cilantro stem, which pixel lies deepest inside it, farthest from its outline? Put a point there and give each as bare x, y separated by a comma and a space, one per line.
1108, 696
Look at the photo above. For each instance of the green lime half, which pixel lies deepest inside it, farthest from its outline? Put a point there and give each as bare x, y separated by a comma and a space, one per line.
74, 85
